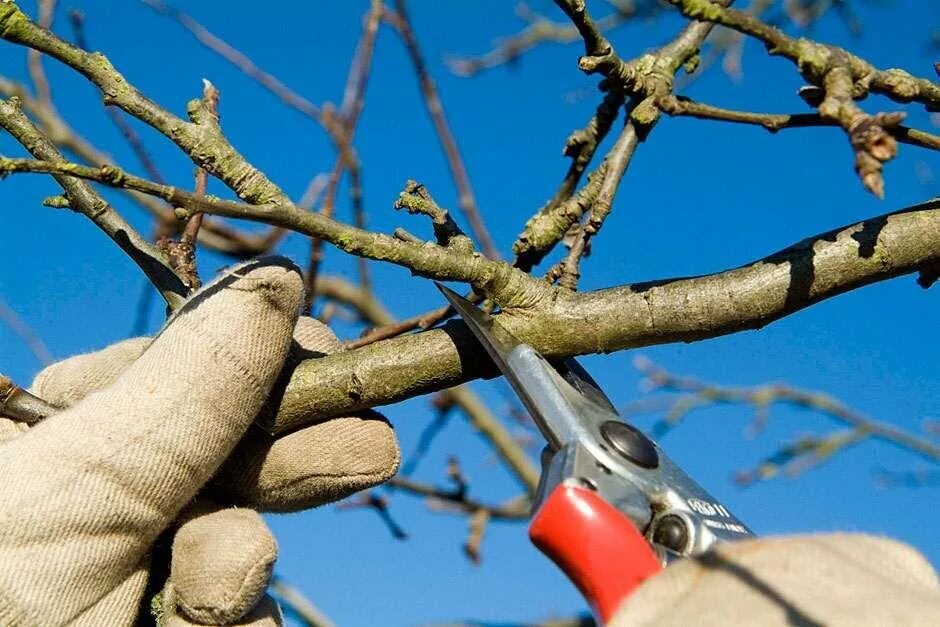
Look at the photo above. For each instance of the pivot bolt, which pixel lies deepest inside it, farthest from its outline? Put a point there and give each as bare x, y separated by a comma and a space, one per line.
672, 533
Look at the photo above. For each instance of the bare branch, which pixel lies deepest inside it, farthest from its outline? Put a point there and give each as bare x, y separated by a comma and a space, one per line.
82, 198
843, 77
416, 199
660, 312
347, 160
540, 30
28, 335
228, 52
815, 60
210, 98
773, 122
615, 165
34, 58
465, 197
763, 396
547, 227
515, 510
558, 322
199, 138
295, 602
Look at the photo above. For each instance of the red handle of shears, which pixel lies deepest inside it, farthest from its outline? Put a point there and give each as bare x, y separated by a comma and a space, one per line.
596, 546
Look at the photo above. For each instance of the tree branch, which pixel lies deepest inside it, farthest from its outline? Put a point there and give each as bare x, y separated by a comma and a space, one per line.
678, 310
202, 140
773, 122
540, 29
479, 416
814, 60
82, 198
465, 198
555, 321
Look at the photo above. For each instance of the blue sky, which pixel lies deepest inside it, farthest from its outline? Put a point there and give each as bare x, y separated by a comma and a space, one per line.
699, 197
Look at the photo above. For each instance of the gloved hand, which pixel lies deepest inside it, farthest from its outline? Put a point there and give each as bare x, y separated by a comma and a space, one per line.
828, 579
158, 435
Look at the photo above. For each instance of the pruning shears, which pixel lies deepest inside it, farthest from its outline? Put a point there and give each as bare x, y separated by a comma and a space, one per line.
611, 509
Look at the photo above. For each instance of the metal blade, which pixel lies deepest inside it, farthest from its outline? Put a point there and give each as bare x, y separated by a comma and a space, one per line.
497, 341
558, 399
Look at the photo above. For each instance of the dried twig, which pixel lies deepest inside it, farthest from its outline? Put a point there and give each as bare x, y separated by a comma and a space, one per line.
379, 504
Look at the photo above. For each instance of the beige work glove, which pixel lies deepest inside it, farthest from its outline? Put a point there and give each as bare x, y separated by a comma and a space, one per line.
834, 579
149, 425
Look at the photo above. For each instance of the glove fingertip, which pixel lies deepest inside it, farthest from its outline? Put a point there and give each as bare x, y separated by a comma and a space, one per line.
319, 464
221, 565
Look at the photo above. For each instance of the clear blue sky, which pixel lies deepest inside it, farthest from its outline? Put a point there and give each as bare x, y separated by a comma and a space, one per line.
699, 197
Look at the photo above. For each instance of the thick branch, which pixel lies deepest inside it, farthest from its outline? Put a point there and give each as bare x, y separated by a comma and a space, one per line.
679, 310
479, 416
556, 321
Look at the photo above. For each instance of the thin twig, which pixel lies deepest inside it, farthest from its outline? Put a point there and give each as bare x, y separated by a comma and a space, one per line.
347, 160
379, 504
77, 19
295, 602
515, 510
616, 163
774, 122
82, 198
843, 79
465, 197
553, 220
762, 396
210, 96
237, 58
25, 333
539, 30
472, 548
34, 58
